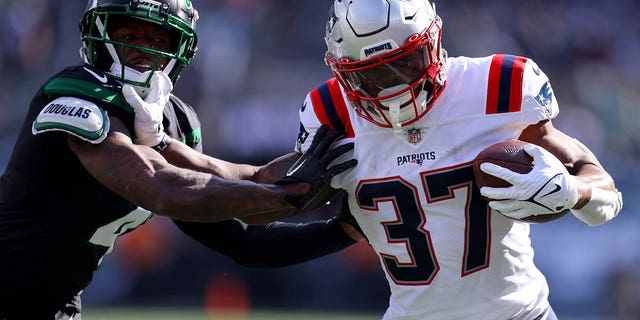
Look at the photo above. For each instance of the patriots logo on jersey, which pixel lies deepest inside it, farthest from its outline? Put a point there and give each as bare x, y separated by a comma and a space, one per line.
545, 97
416, 158
302, 137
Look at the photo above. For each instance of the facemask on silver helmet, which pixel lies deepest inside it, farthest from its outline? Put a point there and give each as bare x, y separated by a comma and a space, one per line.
99, 49
387, 55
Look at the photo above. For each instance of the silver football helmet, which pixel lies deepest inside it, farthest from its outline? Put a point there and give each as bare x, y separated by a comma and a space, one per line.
387, 54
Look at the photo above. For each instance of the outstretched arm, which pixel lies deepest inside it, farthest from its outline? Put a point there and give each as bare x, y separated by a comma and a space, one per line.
314, 172
143, 176
181, 155
275, 244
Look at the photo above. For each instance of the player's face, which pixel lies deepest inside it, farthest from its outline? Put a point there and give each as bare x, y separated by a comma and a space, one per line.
143, 34
400, 71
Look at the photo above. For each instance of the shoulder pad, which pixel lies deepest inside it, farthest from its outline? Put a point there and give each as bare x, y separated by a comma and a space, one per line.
538, 94
89, 84
81, 118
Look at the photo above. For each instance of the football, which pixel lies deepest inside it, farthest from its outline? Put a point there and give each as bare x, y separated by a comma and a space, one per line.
508, 154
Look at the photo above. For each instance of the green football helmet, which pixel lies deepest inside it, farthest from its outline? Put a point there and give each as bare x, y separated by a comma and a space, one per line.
178, 17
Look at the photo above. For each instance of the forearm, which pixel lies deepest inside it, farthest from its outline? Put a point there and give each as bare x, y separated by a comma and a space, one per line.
590, 175
145, 178
193, 196
599, 200
272, 245
275, 169
181, 155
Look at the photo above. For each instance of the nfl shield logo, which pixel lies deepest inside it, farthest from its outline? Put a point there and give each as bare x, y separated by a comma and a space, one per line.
414, 135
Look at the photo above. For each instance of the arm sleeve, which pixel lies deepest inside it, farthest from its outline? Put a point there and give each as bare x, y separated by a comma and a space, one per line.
276, 244
538, 99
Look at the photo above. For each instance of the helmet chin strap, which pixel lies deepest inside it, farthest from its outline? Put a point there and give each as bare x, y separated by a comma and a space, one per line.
394, 116
133, 75
397, 115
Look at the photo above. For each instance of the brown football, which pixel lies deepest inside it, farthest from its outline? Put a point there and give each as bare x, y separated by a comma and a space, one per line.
508, 154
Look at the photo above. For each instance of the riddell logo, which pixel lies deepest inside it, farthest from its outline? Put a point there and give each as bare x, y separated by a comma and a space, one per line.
383, 47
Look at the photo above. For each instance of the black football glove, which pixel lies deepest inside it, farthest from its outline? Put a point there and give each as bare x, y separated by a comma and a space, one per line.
312, 168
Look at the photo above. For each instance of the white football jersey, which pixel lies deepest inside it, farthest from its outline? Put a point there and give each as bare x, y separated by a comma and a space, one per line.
445, 253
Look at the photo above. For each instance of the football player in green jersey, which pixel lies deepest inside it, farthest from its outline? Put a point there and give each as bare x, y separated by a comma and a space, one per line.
87, 168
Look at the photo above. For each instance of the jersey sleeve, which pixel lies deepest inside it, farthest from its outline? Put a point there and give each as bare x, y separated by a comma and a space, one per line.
538, 100
79, 117
325, 104
275, 244
309, 124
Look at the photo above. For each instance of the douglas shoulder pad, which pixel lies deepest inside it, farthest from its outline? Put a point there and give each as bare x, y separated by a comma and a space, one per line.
81, 118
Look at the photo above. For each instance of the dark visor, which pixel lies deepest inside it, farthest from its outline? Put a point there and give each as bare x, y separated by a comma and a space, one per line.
402, 70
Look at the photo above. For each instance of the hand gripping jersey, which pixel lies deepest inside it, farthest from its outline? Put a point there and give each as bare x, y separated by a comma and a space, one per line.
445, 253
67, 220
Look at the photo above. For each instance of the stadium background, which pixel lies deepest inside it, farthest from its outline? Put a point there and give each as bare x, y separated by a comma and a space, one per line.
257, 60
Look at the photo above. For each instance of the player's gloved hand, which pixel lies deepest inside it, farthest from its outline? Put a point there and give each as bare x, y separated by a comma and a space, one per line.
148, 120
548, 188
313, 168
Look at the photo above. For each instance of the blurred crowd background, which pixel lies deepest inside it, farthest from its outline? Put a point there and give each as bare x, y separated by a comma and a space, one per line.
258, 59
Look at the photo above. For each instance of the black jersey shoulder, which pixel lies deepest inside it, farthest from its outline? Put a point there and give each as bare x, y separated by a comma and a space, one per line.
86, 82
181, 122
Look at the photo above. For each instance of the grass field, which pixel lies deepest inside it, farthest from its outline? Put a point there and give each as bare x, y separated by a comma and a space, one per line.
192, 314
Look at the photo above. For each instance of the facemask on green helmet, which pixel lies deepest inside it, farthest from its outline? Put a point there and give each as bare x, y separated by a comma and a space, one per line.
100, 50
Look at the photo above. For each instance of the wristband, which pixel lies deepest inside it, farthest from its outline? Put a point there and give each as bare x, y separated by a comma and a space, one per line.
603, 206
164, 143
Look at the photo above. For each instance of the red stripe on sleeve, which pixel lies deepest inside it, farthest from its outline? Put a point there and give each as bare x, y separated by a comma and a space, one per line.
493, 87
517, 76
318, 108
341, 107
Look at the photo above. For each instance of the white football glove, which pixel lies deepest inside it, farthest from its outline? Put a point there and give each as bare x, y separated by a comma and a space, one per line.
148, 120
548, 188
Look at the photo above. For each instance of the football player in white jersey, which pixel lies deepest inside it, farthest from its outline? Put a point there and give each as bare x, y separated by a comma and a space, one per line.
418, 118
